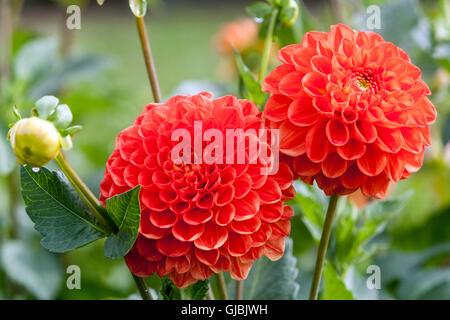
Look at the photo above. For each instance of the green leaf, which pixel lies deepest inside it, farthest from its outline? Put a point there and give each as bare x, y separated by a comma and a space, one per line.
169, 291
62, 117
124, 210
199, 290
56, 211
259, 9
46, 105
270, 280
251, 88
334, 287
37, 270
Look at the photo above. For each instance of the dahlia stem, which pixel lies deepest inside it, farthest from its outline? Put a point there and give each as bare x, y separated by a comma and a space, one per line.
220, 280
326, 232
97, 210
85, 193
267, 46
239, 290
149, 63
142, 287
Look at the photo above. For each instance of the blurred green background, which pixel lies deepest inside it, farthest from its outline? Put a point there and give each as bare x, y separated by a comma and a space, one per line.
99, 72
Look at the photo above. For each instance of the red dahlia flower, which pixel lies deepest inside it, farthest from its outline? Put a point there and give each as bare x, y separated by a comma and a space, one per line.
199, 218
352, 111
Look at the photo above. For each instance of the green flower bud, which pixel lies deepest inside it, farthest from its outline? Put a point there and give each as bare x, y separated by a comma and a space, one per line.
289, 12
35, 142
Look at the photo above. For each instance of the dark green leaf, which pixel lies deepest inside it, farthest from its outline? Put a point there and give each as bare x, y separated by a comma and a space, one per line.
124, 209
56, 211
251, 88
199, 290
259, 9
334, 287
270, 280
169, 291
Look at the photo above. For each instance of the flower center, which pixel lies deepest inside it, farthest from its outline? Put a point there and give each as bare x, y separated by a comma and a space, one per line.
365, 81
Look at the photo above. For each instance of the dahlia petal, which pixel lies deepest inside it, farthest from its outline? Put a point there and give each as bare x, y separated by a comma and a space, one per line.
291, 84
187, 232
271, 213
263, 234
182, 280
364, 131
301, 112
148, 230
280, 229
301, 58
197, 216
208, 257
224, 196
396, 167
147, 249
373, 162
172, 247
274, 249
305, 167
353, 150
238, 244
213, 237
243, 185
334, 166
238, 269
152, 200
163, 219
225, 215
323, 105
285, 53
293, 142
412, 140
389, 140
247, 207
317, 145
276, 108
270, 192
321, 64
353, 178
337, 132
284, 176
248, 226
314, 84
376, 186
138, 265
205, 201
271, 82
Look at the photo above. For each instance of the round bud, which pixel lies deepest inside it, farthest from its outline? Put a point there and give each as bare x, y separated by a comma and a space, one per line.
289, 12
35, 142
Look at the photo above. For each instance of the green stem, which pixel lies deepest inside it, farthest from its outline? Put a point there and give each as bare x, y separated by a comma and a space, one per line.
267, 46
149, 63
142, 287
97, 210
326, 232
239, 290
220, 281
87, 196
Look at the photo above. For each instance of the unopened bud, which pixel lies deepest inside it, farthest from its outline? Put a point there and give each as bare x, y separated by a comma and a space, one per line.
138, 7
35, 142
289, 12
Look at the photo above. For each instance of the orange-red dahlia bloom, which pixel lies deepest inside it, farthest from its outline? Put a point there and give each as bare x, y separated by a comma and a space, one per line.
240, 34
199, 218
352, 111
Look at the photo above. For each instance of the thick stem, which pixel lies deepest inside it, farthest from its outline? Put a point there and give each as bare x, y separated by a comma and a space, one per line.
85, 193
323, 245
150, 65
267, 47
239, 290
143, 288
220, 280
